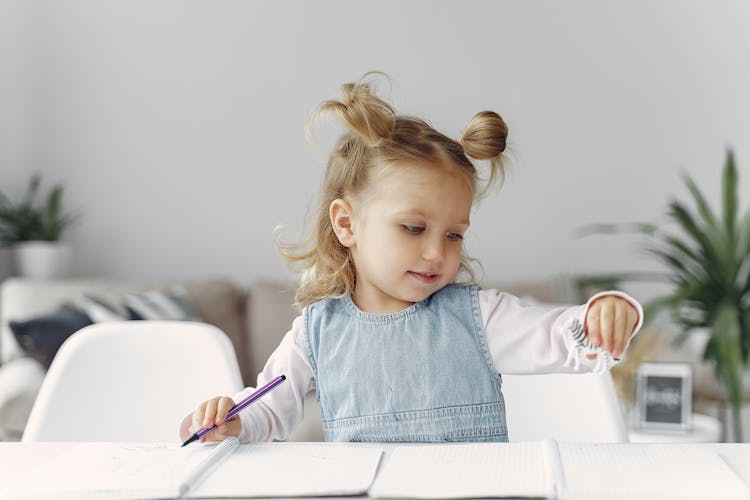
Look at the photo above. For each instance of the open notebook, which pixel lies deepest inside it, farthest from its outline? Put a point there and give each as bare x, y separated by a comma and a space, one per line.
155, 471
468, 470
567, 471
480, 470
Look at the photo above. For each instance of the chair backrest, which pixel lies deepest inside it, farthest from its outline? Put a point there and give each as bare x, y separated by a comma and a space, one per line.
564, 406
131, 381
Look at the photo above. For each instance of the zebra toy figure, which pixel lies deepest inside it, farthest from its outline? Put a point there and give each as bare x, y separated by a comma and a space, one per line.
583, 347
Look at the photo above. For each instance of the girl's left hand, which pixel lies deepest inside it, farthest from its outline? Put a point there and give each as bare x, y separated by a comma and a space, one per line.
610, 322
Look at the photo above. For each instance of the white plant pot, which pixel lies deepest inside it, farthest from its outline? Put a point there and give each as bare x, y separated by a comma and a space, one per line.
42, 260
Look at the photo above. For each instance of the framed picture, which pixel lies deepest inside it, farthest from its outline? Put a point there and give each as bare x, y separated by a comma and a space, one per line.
663, 396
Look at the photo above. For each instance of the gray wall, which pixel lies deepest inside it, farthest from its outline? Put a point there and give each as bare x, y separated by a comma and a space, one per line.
177, 127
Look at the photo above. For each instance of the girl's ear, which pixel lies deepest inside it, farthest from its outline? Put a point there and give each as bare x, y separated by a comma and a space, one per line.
340, 212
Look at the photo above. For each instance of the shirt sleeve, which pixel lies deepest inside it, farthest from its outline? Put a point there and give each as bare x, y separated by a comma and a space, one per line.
527, 339
275, 415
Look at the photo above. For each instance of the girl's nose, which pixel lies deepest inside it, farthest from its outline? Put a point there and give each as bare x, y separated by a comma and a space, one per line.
434, 250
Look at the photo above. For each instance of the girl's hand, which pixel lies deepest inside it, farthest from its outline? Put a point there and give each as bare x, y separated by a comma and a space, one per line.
208, 413
610, 322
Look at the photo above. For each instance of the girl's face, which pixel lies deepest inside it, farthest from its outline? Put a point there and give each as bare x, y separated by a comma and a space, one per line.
406, 234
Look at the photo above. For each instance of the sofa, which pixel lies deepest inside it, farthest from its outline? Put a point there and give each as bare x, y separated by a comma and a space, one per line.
255, 317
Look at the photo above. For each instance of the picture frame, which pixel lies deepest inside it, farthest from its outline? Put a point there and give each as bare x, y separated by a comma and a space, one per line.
664, 397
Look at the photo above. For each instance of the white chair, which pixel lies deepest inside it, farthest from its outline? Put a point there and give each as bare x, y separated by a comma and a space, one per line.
564, 406
131, 381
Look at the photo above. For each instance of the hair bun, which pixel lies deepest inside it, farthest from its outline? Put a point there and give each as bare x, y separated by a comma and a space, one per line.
485, 136
367, 116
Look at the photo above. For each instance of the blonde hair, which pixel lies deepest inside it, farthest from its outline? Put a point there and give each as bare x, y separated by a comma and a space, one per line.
375, 135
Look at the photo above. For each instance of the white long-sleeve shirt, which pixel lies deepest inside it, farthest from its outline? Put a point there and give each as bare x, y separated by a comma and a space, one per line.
522, 339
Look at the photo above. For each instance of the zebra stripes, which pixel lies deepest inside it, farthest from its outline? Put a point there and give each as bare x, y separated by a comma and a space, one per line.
582, 347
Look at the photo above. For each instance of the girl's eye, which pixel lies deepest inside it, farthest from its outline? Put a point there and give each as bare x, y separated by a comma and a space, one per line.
454, 236
412, 229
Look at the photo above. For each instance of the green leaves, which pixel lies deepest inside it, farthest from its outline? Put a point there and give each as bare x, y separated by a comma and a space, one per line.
726, 331
27, 221
706, 255
729, 184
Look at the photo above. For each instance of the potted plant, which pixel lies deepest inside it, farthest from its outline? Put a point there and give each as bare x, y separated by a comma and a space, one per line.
706, 256
33, 231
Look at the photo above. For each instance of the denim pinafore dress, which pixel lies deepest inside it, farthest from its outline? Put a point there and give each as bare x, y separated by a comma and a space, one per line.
423, 374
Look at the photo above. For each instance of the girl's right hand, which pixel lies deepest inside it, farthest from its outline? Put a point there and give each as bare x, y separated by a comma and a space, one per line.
208, 413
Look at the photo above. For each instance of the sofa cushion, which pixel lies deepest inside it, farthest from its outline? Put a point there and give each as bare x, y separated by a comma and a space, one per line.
171, 304
22, 300
41, 336
20, 380
270, 312
217, 302
222, 304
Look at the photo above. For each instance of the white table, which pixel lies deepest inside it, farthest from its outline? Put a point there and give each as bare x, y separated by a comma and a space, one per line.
17, 457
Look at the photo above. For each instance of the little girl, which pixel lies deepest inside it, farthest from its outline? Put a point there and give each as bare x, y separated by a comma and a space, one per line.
395, 348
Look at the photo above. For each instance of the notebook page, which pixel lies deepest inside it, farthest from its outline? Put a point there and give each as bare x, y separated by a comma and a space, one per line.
737, 455
199, 472
647, 471
111, 471
292, 469
465, 470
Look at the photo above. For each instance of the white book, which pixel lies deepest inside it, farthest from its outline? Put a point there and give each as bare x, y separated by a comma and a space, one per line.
155, 471
477, 470
565, 471
610, 471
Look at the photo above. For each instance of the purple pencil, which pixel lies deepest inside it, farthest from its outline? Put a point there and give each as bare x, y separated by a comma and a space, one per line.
239, 407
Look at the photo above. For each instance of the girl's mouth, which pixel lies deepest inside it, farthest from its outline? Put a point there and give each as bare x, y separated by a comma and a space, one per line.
425, 277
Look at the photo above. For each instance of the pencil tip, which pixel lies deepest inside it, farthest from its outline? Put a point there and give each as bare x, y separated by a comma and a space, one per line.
190, 440
283, 377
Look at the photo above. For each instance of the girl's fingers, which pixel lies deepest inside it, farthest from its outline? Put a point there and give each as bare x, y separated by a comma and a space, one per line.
224, 405
198, 415
210, 414
609, 324
592, 326
231, 427
621, 332
606, 326
215, 435
632, 320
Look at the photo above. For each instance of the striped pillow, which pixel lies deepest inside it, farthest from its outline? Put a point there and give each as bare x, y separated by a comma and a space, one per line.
172, 303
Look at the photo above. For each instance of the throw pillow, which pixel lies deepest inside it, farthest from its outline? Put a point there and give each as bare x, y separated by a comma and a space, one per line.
169, 304
42, 336
100, 309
